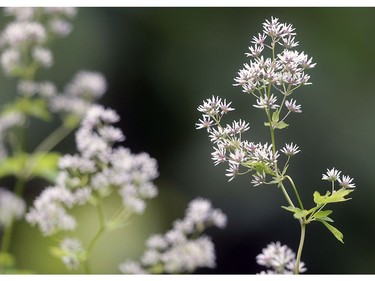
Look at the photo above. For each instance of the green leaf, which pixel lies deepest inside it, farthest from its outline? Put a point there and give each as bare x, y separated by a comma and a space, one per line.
298, 213
46, 165
339, 236
280, 125
34, 107
322, 214
277, 125
275, 117
43, 165
337, 196
13, 165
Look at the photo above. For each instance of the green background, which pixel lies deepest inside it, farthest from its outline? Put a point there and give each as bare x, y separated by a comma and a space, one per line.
160, 63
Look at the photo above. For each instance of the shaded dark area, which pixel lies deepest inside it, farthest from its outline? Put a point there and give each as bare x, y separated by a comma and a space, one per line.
160, 63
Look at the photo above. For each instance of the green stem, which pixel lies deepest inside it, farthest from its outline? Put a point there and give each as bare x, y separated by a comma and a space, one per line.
296, 192
53, 139
290, 202
102, 228
300, 247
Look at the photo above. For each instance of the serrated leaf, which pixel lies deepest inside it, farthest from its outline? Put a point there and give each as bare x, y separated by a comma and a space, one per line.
339, 236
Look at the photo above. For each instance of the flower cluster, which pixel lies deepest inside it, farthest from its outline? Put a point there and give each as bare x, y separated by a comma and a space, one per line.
31, 30
282, 71
285, 71
181, 249
230, 148
333, 175
279, 259
96, 171
12, 207
71, 252
85, 88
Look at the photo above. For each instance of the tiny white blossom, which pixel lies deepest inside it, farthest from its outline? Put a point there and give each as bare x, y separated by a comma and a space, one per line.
290, 149
206, 123
292, 106
131, 267
87, 84
42, 56
279, 258
12, 207
259, 178
346, 182
10, 60
267, 102
331, 175
71, 248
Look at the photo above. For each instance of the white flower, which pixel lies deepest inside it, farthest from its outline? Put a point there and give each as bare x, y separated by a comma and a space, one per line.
331, 175
186, 257
219, 155
19, 33
49, 213
47, 89
42, 56
206, 123
267, 102
259, 178
279, 258
12, 207
71, 248
131, 267
27, 88
10, 60
290, 149
346, 182
292, 106
87, 84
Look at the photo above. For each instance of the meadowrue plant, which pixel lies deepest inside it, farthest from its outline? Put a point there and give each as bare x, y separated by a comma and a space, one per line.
100, 167
272, 76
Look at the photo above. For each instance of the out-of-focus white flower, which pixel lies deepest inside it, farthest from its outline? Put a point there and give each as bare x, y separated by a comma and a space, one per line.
178, 250
12, 207
279, 258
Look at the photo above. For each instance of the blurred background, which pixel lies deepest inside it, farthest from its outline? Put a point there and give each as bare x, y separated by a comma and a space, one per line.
160, 63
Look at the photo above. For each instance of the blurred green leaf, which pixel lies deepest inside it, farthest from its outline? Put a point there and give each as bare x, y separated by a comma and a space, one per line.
36, 107
43, 165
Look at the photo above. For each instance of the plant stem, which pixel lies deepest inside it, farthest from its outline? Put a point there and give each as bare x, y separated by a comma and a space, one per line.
102, 228
290, 202
296, 192
300, 247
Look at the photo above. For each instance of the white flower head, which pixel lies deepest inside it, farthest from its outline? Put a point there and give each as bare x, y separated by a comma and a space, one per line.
346, 182
280, 259
71, 249
12, 207
331, 175
290, 149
